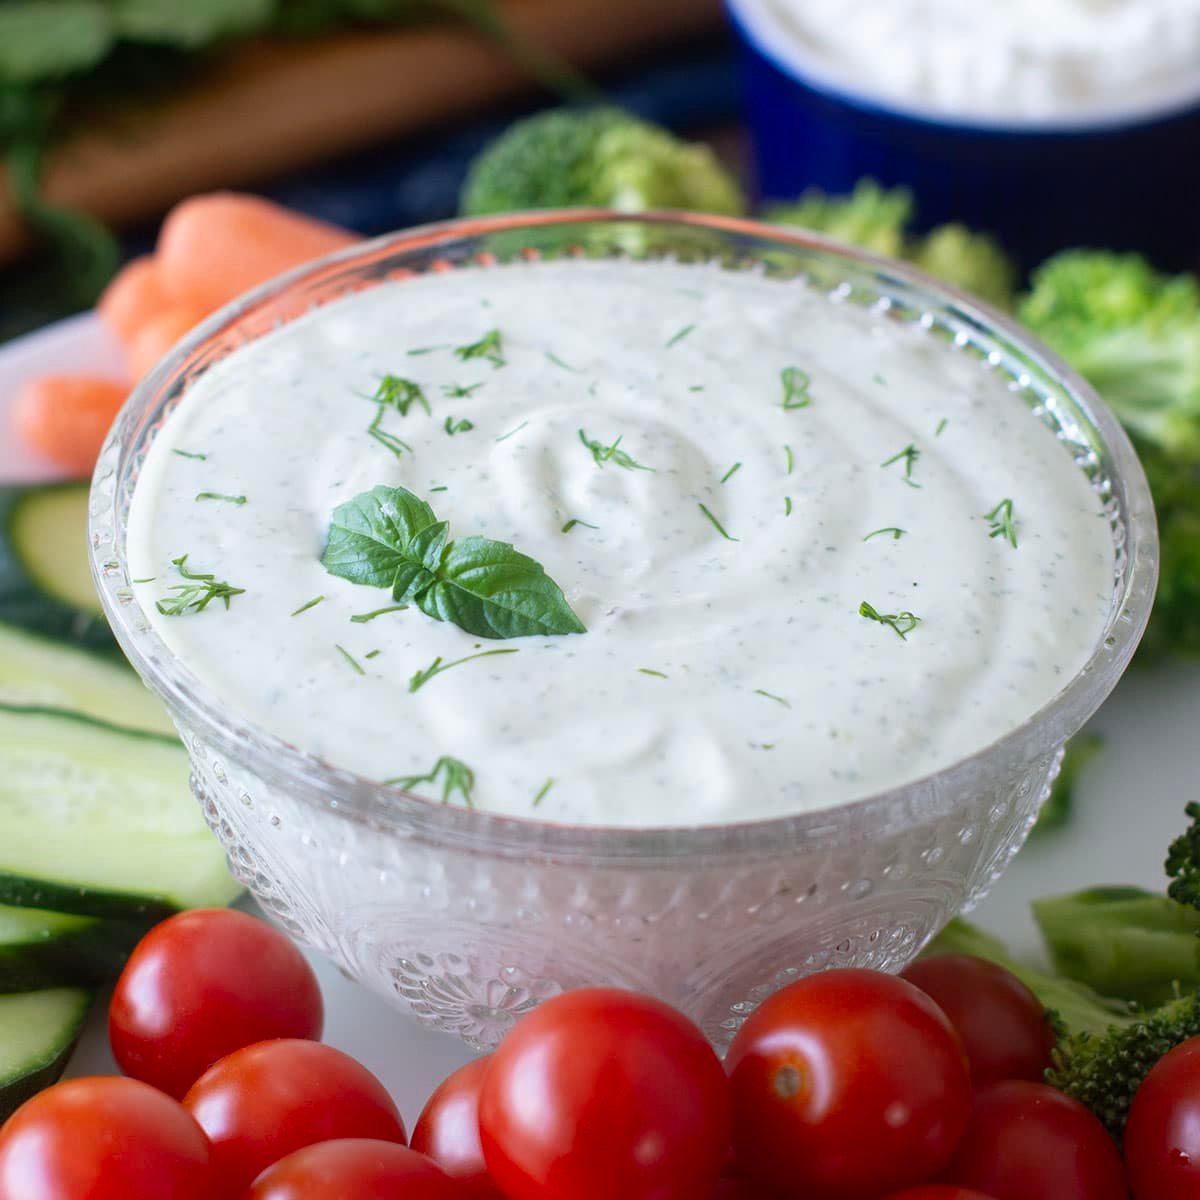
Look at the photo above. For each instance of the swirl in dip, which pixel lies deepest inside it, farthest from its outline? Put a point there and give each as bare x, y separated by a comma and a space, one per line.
797, 569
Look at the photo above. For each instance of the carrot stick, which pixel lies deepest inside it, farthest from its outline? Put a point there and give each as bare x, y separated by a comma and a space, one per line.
66, 417
213, 248
132, 298
157, 336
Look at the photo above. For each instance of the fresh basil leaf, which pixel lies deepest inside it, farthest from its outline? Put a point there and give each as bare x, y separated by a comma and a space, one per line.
493, 591
191, 25
369, 536
48, 39
423, 556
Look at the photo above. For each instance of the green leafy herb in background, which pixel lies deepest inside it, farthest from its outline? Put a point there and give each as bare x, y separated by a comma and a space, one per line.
389, 538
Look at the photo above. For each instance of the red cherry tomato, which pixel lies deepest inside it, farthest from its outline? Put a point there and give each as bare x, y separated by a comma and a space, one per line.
104, 1139
937, 1191
201, 985
354, 1169
448, 1132
846, 1084
604, 1095
262, 1102
1027, 1141
1162, 1136
1001, 1023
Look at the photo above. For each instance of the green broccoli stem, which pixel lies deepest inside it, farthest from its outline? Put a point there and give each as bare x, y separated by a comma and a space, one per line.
1123, 942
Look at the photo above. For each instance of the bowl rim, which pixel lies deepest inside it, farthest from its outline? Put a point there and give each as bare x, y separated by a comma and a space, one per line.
763, 29
280, 764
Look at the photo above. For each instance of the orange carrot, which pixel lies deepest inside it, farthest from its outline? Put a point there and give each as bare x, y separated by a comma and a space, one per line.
157, 335
133, 297
66, 417
213, 248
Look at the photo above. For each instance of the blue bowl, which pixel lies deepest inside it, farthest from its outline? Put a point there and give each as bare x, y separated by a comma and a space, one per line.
1127, 182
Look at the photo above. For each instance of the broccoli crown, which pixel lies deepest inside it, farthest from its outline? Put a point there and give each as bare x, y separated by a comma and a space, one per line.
1133, 332
1103, 1072
870, 216
1183, 862
972, 261
601, 157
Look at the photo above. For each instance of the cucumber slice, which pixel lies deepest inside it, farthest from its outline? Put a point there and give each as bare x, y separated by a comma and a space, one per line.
97, 820
38, 1031
45, 584
40, 949
37, 671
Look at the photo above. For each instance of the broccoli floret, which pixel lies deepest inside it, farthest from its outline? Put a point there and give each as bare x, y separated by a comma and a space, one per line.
1123, 942
602, 157
972, 261
1183, 862
870, 217
1133, 333
1056, 812
1103, 1072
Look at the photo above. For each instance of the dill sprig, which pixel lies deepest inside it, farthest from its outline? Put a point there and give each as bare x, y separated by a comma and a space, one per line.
772, 696
909, 456
350, 659
542, 793
238, 500
196, 595
458, 391
901, 623
1002, 521
612, 453
795, 388
896, 532
576, 521
311, 604
678, 337
455, 776
717, 524
566, 366
419, 678
489, 347
461, 426
363, 618
190, 454
651, 671
737, 466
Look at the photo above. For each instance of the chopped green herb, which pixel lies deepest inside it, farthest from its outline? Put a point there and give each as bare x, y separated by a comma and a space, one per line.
896, 533
363, 618
737, 466
400, 394
151, 579
613, 453
772, 696
441, 487
504, 437
396, 445
678, 337
349, 658
901, 623
795, 388
909, 455
791, 459
238, 500
1001, 518
576, 521
566, 366
455, 776
373, 654
879, 379
697, 388
542, 794
488, 347
941, 425
186, 454
197, 595
787, 506
648, 671
452, 426
419, 678
717, 524
425, 350
458, 391
311, 604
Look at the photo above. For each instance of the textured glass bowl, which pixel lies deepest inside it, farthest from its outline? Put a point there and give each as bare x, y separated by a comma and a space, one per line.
470, 919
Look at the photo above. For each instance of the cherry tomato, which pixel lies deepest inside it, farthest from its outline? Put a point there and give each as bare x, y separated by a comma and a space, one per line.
448, 1132
1162, 1136
937, 1191
357, 1168
260, 1103
201, 985
846, 1084
1027, 1141
604, 1095
104, 1139
733, 1189
1001, 1023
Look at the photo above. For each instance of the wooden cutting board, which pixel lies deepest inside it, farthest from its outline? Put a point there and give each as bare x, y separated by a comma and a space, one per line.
271, 107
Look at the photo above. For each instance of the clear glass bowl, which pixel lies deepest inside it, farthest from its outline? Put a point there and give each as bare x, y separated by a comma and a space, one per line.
470, 919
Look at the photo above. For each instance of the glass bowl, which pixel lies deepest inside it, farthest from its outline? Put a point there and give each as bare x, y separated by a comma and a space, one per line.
469, 919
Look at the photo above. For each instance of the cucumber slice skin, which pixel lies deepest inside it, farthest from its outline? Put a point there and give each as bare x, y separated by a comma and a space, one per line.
88, 954
187, 862
24, 599
49, 1058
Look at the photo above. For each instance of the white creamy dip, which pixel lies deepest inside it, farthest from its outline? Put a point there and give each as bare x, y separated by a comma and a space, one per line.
1030, 59
721, 678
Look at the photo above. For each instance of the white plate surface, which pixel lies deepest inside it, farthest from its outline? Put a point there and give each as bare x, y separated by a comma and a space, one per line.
1130, 801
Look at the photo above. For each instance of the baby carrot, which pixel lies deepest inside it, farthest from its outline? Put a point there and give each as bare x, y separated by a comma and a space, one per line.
133, 297
154, 338
66, 417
